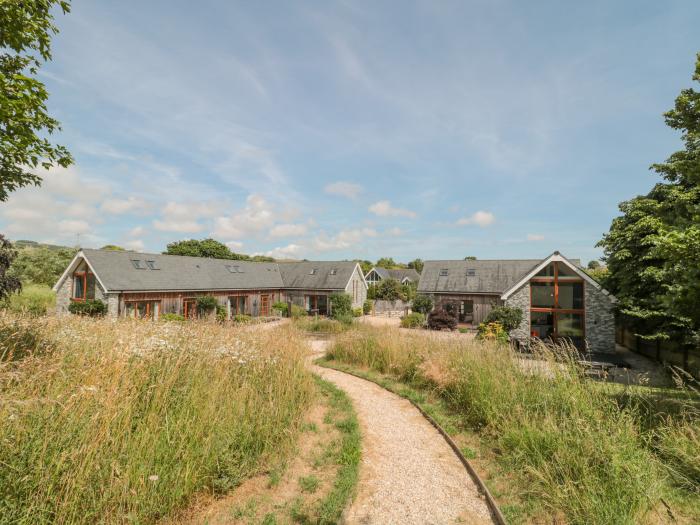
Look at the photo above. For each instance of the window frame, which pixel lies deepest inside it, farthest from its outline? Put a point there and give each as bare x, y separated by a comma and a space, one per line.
150, 313
555, 310
83, 277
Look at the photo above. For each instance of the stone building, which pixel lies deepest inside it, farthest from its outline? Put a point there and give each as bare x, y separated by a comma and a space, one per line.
144, 285
558, 299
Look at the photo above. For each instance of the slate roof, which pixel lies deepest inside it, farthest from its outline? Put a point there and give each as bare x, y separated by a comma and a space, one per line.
490, 276
117, 272
399, 274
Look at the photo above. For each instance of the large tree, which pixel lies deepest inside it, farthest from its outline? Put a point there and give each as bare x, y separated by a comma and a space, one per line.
40, 264
26, 28
206, 248
8, 283
653, 250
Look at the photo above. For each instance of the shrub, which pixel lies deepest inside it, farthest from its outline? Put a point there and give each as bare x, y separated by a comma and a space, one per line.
372, 292
422, 304
206, 304
341, 304
492, 332
221, 313
389, 290
89, 307
408, 291
282, 308
508, 317
357, 312
346, 319
413, 320
367, 306
297, 311
171, 317
241, 318
441, 319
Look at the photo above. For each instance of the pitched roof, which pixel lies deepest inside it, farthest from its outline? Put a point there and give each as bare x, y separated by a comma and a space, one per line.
397, 273
116, 271
477, 276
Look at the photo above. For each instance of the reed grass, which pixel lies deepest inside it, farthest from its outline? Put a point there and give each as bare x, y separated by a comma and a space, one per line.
124, 421
576, 449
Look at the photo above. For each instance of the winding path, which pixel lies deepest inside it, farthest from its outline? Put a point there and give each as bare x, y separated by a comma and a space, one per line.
409, 474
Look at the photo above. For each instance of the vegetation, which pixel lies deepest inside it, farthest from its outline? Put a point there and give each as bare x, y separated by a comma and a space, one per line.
413, 320
652, 250
367, 306
282, 308
25, 42
416, 264
507, 317
9, 284
321, 325
169, 317
441, 319
88, 307
341, 305
113, 248
298, 311
581, 450
241, 319
492, 331
149, 413
391, 290
357, 312
212, 249
32, 300
40, 264
422, 304
206, 304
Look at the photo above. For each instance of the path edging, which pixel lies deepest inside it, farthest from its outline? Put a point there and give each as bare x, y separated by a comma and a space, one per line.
481, 486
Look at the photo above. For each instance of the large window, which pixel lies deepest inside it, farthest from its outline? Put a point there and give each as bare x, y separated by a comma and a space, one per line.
141, 309
238, 305
317, 304
557, 304
79, 286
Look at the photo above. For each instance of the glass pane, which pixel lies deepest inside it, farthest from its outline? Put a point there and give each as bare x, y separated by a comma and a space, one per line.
79, 287
542, 295
547, 271
570, 325
130, 312
571, 295
542, 325
567, 273
142, 309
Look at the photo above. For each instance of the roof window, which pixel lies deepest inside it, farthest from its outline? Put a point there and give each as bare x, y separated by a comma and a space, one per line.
234, 268
471, 272
152, 265
444, 272
313, 271
138, 264
334, 271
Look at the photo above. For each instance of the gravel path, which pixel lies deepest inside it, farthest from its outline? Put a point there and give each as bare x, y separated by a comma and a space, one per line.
409, 474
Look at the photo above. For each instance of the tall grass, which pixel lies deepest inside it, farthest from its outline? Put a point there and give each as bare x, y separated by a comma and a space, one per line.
579, 452
124, 421
34, 299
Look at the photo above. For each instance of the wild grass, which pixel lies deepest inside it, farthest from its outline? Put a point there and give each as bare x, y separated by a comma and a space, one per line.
579, 449
320, 325
34, 299
124, 421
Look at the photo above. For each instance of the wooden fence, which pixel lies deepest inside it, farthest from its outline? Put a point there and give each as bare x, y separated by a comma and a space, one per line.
669, 352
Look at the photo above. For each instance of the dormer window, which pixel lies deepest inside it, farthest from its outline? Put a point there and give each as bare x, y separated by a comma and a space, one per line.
152, 265
444, 272
138, 264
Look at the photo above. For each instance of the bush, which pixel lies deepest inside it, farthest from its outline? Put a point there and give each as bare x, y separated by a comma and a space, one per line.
372, 292
508, 317
221, 313
413, 320
341, 304
441, 319
367, 306
281, 308
357, 312
422, 304
171, 317
408, 291
206, 304
297, 312
389, 290
89, 307
492, 332
345, 319
241, 318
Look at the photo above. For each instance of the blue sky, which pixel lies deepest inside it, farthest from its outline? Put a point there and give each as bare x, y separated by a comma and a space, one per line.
500, 129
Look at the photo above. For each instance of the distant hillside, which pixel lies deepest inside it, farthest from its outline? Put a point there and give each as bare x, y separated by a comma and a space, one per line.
23, 243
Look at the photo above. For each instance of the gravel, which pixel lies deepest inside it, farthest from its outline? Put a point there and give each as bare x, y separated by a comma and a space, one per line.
408, 474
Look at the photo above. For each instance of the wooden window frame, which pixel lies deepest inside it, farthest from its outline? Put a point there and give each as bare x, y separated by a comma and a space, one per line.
234, 304
148, 307
83, 277
555, 310
185, 302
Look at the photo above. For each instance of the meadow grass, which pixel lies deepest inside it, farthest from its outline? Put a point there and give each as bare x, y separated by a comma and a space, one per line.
34, 299
581, 451
124, 421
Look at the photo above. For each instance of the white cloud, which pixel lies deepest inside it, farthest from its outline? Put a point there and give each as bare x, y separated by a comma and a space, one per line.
177, 226
121, 206
288, 230
344, 189
395, 232
137, 231
184, 217
480, 218
72, 227
136, 245
257, 215
535, 237
385, 209
234, 245
284, 252
342, 240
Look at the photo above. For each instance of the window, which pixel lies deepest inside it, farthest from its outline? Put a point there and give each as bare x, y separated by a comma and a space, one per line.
234, 268
471, 272
80, 286
313, 271
557, 304
152, 265
141, 309
444, 272
334, 271
138, 264
238, 305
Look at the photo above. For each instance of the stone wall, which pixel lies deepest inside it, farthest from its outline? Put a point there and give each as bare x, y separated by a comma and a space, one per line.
521, 299
357, 280
63, 296
391, 308
600, 320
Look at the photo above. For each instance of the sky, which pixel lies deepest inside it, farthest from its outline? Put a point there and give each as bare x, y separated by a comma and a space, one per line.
342, 130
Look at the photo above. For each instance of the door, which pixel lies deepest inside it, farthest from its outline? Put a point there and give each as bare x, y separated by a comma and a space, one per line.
264, 305
189, 308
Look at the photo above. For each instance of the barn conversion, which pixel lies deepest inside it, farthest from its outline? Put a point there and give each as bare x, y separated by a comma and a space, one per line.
558, 299
147, 285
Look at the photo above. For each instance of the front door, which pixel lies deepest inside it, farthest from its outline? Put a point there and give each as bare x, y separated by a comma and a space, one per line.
466, 311
264, 305
189, 308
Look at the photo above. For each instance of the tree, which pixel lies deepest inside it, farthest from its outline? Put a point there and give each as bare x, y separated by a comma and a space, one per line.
652, 250
593, 265
41, 265
388, 290
8, 283
386, 262
26, 29
113, 248
417, 265
470, 258
365, 265
422, 304
204, 248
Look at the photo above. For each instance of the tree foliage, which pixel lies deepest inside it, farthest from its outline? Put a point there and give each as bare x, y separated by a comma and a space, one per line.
8, 283
506, 316
422, 304
40, 264
341, 305
441, 319
386, 262
652, 250
26, 29
112, 248
210, 248
417, 265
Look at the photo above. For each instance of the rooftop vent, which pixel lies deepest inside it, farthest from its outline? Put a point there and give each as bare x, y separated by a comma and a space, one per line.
138, 264
444, 272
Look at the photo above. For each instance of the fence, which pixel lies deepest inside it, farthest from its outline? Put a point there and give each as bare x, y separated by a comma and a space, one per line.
669, 352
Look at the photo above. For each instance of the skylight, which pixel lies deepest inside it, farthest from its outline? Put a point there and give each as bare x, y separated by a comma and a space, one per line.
138, 264
471, 272
152, 265
313, 271
444, 272
234, 268
334, 271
